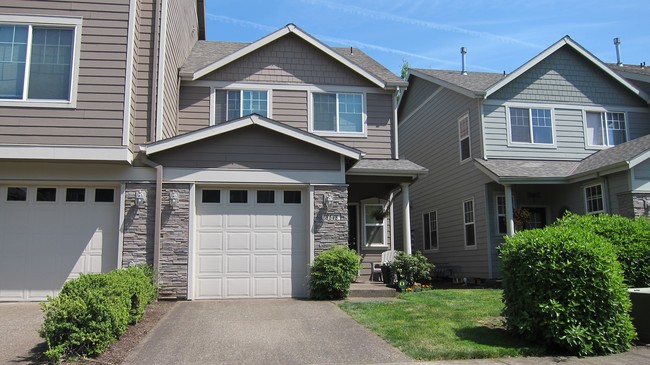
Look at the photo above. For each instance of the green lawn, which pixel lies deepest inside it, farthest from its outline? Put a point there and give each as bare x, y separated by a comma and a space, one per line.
443, 324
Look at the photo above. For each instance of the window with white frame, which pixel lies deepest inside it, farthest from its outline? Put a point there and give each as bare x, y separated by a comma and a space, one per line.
38, 57
531, 126
246, 102
374, 222
430, 225
339, 113
463, 135
502, 227
594, 199
468, 220
606, 129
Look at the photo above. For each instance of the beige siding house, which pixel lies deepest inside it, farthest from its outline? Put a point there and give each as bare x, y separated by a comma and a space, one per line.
509, 152
127, 138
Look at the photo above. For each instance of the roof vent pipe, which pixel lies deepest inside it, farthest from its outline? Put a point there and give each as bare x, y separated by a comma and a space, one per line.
617, 43
463, 52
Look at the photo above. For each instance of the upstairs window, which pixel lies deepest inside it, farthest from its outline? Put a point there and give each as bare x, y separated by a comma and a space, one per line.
463, 134
531, 126
246, 102
606, 129
37, 60
340, 113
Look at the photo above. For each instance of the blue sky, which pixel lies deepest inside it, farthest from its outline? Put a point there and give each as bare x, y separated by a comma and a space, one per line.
499, 35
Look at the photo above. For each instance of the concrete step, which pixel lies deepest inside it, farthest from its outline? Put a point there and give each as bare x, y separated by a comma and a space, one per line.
371, 290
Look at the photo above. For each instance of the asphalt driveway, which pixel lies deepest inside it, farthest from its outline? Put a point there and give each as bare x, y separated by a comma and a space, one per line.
261, 332
19, 341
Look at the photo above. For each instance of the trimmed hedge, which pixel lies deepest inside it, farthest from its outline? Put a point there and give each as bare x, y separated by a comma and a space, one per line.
333, 271
630, 237
94, 310
412, 268
564, 288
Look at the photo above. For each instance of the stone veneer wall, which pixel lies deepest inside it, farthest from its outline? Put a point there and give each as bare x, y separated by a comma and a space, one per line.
330, 231
138, 226
631, 205
174, 243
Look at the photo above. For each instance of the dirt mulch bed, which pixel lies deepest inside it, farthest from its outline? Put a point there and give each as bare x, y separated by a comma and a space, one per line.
118, 351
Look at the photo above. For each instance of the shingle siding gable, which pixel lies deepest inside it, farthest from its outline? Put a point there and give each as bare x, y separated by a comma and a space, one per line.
567, 77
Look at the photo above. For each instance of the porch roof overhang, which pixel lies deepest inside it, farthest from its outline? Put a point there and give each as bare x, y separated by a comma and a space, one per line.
257, 120
389, 168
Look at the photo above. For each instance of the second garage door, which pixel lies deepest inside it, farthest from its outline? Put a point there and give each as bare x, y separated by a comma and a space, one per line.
251, 243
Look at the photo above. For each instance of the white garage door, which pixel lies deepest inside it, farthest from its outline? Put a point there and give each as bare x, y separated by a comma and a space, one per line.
52, 234
251, 243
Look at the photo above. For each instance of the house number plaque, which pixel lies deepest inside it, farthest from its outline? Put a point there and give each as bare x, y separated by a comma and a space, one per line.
333, 217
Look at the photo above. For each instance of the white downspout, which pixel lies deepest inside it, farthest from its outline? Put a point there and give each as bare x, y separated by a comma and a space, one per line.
510, 222
395, 133
407, 217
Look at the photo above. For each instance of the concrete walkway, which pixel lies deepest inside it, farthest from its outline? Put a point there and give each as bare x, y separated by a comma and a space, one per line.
261, 332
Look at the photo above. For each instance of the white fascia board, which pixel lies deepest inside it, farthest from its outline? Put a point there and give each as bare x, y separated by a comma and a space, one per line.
383, 172
642, 157
76, 153
290, 28
250, 120
246, 176
130, 46
446, 84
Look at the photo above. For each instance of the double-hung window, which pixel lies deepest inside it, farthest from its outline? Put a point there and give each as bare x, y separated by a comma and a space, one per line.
468, 220
38, 57
245, 102
531, 126
374, 221
430, 225
463, 135
606, 129
594, 199
339, 113
502, 227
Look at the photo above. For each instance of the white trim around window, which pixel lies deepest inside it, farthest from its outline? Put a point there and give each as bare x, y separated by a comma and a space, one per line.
430, 231
374, 231
464, 138
594, 195
21, 49
500, 213
254, 98
469, 223
535, 126
357, 100
598, 124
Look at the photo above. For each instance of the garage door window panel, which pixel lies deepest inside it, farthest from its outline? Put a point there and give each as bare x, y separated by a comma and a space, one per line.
265, 197
45, 194
104, 195
238, 196
292, 197
75, 195
16, 194
211, 196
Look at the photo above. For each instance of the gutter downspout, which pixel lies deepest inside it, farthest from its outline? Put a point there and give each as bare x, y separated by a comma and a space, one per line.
157, 213
395, 134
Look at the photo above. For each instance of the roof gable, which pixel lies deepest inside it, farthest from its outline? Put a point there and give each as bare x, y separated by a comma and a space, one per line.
254, 119
219, 60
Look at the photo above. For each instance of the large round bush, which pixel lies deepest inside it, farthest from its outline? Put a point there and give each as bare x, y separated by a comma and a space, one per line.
333, 271
564, 288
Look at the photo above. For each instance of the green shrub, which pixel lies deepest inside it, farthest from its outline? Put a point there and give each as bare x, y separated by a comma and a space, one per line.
412, 268
630, 237
333, 271
564, 288
94, 310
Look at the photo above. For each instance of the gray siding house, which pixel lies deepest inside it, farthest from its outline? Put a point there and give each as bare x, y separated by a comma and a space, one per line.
563, 132
126, 138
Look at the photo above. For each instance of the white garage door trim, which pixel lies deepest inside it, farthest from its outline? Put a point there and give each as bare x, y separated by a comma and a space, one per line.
245, 250
52, 233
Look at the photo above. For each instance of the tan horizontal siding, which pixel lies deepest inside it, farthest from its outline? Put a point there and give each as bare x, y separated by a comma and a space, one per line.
193, 109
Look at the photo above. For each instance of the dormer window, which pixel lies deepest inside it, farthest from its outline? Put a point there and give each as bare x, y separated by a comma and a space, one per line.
531, 126
338, 112
246, 102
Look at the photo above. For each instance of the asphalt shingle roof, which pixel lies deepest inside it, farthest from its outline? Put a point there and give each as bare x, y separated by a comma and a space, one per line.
473, 81
633, 69
388, 165
542, 169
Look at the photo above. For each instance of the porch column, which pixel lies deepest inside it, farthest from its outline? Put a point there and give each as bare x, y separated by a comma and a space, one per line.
510, 221
407, 217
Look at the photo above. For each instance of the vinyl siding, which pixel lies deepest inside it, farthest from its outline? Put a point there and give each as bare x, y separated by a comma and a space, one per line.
144, 70
134, 70
567, 77
641, 174
290, 107
616, 184
289, 60
99, 115
251, 147
181, 35
194, 109
430, 138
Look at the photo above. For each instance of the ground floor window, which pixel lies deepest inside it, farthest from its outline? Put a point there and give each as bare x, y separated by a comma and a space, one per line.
430, 224
468, 218
594, 199
374, 223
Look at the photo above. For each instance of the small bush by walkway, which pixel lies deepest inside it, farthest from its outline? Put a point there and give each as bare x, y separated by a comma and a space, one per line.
443, 324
